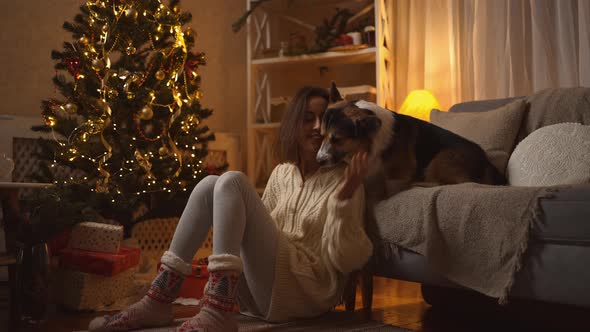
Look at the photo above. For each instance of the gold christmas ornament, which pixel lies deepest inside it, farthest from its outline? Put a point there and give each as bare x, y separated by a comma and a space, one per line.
130, 50
113, 94
130, 94
97, 64
50, 121
176, 9
83, 40
123, 73
105, 27
146, 113
131, 13
70, 108
160, 75
163, 151
85, 137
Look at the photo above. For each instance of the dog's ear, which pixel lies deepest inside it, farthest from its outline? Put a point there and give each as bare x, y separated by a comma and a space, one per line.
334, 93
368, 125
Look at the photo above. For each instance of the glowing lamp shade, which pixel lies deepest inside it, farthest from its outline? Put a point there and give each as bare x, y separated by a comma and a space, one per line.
418, 104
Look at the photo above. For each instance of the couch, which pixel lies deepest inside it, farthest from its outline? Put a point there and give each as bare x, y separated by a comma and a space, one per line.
555, 266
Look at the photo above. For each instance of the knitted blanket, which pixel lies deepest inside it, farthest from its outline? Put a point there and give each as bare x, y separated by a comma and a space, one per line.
472, 234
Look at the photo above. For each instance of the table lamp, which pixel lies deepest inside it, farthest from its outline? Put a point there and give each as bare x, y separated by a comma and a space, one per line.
418, 104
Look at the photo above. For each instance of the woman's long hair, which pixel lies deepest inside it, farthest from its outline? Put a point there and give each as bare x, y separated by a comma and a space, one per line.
287, 149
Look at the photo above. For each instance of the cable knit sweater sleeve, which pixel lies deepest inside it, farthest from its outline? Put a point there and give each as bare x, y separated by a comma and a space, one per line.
344, 234
271, 192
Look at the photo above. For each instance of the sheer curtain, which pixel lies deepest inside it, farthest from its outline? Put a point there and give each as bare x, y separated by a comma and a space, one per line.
480, 49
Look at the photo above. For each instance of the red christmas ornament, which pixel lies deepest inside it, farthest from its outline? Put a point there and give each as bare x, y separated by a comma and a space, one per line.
73, 65
193, 61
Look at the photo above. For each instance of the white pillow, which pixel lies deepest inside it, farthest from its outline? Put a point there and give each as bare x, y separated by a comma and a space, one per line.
552, 155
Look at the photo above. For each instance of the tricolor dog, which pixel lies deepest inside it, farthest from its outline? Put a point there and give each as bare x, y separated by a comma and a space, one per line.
402, 150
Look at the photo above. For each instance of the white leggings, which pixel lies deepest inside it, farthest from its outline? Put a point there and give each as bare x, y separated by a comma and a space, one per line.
241, 226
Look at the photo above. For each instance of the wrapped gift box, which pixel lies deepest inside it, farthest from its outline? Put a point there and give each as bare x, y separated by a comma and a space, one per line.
194, 284
59, 242
100, 263
84, 291
95, 236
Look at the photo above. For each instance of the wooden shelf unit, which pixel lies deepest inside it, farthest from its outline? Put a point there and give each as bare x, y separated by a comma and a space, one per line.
277, 78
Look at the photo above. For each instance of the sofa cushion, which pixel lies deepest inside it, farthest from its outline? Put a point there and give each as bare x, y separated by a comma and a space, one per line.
495, 130
552, 155
482, 105
553, 106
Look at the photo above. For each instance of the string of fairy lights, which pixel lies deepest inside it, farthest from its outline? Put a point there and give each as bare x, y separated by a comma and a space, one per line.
175, 72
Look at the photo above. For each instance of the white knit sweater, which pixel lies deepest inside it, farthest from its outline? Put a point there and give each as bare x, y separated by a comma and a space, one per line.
321, 239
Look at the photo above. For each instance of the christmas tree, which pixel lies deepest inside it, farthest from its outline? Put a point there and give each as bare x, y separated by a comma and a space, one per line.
129, 119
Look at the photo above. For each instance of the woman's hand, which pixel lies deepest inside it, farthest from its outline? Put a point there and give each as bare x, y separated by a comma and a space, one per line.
354, 175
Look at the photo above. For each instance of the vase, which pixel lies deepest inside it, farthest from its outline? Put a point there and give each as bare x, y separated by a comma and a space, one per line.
33, 281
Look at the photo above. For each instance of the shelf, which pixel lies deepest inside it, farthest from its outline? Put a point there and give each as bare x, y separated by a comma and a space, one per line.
366, 55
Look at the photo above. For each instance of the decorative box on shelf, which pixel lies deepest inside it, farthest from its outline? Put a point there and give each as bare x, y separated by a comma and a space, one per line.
95, 236
359, 92
85, 291
101, 263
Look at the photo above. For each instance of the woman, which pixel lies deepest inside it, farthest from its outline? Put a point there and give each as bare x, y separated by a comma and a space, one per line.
291, 251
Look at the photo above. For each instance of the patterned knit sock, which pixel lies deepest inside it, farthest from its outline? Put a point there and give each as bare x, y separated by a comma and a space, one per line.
216, 314
154, 309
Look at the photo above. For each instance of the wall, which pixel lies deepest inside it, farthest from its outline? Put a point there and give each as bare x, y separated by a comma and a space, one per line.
30, 30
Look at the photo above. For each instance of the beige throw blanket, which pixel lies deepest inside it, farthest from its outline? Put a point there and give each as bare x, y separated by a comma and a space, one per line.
471, 234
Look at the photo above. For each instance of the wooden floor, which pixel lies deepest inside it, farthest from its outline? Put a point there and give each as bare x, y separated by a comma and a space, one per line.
398, 303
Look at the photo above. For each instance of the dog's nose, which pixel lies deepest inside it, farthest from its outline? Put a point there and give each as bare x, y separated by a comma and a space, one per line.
322, 159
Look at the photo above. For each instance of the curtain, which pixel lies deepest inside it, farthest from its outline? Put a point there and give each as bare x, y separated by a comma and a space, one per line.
465, 50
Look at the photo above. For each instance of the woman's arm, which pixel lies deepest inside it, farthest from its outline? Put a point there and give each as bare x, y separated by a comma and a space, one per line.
344, 235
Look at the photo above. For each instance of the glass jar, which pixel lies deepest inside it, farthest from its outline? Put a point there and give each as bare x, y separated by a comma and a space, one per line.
6, 168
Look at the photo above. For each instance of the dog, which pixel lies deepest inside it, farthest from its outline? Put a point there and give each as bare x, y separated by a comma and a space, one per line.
402, 151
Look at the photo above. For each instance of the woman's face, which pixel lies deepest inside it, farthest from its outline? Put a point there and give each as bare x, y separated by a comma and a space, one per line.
309, 138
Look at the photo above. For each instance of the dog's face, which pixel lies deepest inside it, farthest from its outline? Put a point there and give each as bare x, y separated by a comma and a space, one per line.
346, 129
